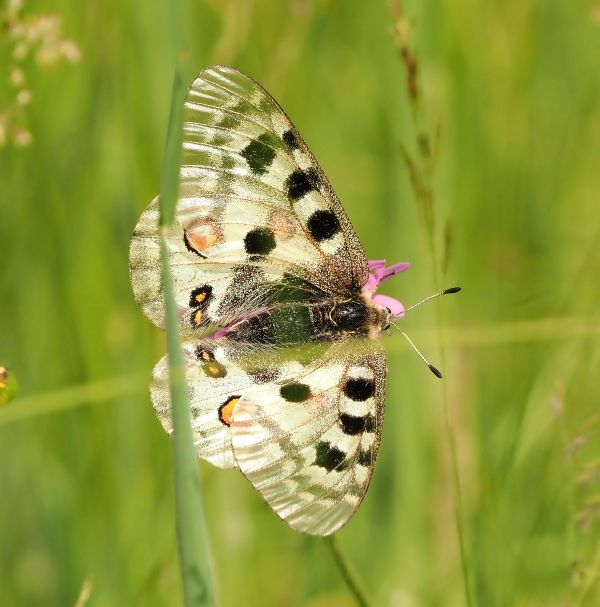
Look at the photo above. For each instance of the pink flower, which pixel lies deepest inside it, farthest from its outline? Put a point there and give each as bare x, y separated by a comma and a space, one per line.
378, 274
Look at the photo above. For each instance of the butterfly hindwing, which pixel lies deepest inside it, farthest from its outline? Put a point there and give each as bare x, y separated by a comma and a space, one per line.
308, 444
218, 374
305, 432
254, 207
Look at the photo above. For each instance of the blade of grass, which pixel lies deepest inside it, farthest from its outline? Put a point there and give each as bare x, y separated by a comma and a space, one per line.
169, 179
85, 593
25, 407
592, 577
346, 572
194, 555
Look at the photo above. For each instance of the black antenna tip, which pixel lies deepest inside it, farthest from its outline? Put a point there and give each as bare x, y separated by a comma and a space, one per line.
435, 371
451, 290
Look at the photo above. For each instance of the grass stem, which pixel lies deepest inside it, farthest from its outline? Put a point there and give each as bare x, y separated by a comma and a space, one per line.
346, 572
194, 556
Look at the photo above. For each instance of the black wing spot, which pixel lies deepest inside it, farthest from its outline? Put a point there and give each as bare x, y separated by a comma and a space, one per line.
329, 457
323, 225
299, 184
259, 154
359, 388
295, 392
260, 241
199, 299
290, 140
352, 424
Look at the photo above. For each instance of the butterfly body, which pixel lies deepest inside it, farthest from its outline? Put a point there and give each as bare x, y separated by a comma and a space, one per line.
294, 324
278, 308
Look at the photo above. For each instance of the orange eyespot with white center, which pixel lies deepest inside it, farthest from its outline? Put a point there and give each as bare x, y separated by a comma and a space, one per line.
201, 235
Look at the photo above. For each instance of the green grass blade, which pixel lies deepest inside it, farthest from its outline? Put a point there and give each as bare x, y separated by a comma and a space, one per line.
191, 530
72, 397
346, 572
169, 179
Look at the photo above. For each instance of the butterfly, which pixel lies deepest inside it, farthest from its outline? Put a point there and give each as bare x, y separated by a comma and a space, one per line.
277, 306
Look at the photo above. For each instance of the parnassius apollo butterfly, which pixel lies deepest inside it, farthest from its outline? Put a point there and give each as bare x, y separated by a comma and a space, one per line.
285, 372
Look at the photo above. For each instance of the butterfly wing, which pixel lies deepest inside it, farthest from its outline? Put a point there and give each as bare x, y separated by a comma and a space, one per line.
308, 443
254, 209
218, 373
303, 425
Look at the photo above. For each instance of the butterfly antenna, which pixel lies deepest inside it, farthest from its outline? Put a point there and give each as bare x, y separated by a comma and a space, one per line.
444, 292
433, 369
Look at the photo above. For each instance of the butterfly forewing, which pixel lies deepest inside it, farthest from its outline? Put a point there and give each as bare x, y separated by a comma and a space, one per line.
252, 197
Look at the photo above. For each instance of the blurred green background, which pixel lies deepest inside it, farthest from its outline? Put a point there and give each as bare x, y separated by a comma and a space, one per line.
510, 106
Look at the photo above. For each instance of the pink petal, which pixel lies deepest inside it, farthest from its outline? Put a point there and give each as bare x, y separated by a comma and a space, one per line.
393, 305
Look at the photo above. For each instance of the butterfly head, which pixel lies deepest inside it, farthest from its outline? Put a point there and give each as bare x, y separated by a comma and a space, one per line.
387, 323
